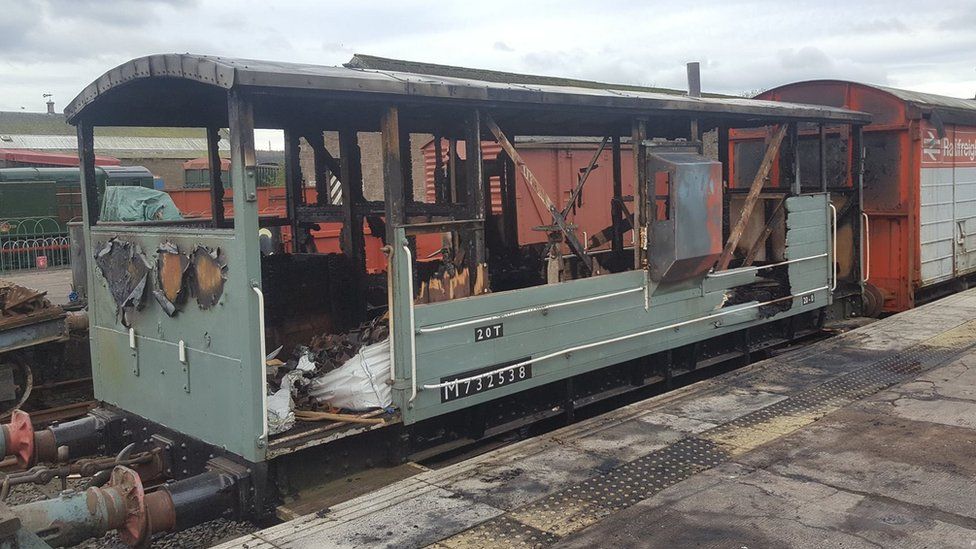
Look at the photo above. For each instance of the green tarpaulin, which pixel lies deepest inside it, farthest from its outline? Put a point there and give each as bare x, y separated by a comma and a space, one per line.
122, 203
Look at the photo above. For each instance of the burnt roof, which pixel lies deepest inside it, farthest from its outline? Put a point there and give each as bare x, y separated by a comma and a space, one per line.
363, 61
186, 89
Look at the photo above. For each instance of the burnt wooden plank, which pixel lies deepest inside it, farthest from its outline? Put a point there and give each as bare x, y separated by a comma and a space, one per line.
476, 187
325, 163
772, 150
89, 186
616, 210
393, 180
351, 179
216, 182
643, 211
294, 198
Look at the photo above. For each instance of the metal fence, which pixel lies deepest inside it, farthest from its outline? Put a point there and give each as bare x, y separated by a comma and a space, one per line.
33, 243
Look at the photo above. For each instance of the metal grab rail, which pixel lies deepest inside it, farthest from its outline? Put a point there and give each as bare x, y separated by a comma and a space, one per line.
741, 270
833, 244
866, 249
413, 333
537, 308
616, 339
262, 441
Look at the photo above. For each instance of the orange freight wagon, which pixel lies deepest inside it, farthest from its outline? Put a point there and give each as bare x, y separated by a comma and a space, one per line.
919, 196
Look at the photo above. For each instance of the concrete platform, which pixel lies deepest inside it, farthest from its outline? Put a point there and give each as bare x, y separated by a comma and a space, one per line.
867, 439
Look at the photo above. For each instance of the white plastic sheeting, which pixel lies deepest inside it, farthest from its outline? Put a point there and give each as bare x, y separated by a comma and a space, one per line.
362, 383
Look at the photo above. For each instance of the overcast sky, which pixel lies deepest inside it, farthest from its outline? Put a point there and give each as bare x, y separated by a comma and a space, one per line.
59, 46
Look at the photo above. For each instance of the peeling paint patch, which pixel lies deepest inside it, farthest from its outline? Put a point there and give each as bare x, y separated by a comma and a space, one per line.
208, 275
171, 269
126, 270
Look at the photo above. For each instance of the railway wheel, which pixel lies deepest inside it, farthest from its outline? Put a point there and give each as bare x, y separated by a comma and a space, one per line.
872, 300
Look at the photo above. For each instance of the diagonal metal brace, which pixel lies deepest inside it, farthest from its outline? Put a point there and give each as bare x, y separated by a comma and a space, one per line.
558, 218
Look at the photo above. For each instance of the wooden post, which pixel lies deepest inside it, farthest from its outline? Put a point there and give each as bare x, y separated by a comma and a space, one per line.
216, 182
294, 195
90, 203
452, 158
475, 189
795, 151
393, 191
351, 179
324, 163
616, 208
644, 212
751, 199
353, 242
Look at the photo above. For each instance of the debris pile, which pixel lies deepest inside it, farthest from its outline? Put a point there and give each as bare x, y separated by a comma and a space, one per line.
17, 301
333, 350
346, 371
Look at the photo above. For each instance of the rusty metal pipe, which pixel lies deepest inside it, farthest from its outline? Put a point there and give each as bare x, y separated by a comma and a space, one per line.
76, 516
81, 437
123, 505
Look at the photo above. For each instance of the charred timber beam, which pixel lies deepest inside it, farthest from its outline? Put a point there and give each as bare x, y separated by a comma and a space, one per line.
475, 189
772, 151
616, 210
324, 163
795, 152
294, 197
351, 179
643, 212
89, 185
216, 182
393, 180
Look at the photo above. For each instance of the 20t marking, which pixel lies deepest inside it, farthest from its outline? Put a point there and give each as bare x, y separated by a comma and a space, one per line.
484, 333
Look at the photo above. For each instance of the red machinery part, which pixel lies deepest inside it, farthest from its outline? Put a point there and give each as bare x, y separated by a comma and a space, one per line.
19, 438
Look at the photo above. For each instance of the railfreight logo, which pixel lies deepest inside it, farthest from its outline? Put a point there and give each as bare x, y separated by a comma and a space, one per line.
958, 149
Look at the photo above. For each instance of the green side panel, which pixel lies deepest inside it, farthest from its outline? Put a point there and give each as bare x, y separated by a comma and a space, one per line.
808, 235
216, 394
571, 328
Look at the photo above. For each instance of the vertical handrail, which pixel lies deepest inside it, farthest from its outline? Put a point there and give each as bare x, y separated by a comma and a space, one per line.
833, 246
264, 375
413, 327
866, 248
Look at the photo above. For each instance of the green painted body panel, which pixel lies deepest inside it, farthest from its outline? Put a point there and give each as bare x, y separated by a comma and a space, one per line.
213, 396
453, 352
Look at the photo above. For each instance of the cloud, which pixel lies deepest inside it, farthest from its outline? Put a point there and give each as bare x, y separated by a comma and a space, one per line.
805, 58
60, 46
